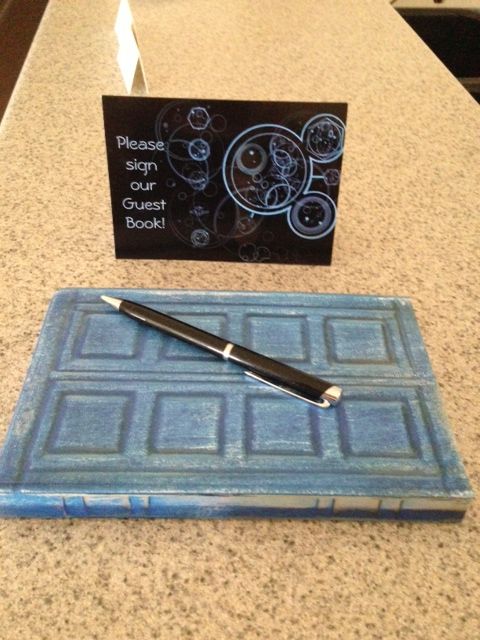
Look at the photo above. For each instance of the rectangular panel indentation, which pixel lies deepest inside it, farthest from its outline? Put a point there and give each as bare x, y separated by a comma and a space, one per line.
358, 341
280, 426
187, 424
89, 422
277, 336
377, 428
99, 337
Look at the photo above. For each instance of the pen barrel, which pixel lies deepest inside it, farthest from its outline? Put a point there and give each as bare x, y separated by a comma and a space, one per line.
173, 327
279, 373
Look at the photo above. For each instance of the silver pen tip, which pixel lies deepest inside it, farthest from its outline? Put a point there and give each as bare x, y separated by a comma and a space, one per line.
115, 302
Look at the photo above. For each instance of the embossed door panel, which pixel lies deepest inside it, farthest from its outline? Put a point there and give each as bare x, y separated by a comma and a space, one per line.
111, 407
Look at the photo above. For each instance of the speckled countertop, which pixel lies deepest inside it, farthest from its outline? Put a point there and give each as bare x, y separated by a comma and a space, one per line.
408, 225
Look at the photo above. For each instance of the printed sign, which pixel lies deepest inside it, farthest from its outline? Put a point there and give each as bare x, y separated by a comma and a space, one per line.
224, 180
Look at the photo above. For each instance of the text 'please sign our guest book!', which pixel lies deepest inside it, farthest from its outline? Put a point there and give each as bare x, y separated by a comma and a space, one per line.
224, 179
117, 419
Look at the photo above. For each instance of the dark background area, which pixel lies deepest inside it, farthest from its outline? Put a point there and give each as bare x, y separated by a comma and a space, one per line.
454, 37
19, 20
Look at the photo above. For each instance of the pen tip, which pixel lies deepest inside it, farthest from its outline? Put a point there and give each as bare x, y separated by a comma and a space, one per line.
115, 302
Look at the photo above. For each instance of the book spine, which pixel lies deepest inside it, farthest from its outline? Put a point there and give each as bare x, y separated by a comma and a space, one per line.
17, 504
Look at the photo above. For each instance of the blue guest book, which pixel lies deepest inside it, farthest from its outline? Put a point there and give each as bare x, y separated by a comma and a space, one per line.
116, 419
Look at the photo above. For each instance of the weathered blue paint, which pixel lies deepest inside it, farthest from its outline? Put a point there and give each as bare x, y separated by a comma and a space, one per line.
117, 420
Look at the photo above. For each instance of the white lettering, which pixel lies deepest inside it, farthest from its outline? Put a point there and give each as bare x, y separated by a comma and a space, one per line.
144, 167
130, 204
156, 223
142, 186
124, 142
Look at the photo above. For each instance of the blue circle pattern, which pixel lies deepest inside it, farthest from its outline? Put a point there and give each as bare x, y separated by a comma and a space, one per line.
266, 172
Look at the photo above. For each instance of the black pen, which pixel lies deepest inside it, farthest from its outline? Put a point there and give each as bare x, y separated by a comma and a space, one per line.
272, 372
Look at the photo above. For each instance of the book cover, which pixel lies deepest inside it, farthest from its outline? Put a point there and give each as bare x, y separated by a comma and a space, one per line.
116, 419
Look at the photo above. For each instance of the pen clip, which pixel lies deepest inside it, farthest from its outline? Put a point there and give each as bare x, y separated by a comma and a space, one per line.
323, 404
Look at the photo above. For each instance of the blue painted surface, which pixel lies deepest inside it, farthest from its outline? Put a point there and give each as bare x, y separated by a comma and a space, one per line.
118, 420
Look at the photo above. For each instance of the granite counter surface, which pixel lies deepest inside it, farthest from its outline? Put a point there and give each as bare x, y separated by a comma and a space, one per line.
408, 225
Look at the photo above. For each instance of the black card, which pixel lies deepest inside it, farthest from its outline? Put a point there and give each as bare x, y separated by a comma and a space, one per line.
224, 180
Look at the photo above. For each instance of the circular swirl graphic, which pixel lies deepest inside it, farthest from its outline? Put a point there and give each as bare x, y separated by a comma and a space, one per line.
265, 169
323, 136
251, 158
198, 118
222, 188
194, 148
331, 176
312, 216
199, 149
206, 225
200, 238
